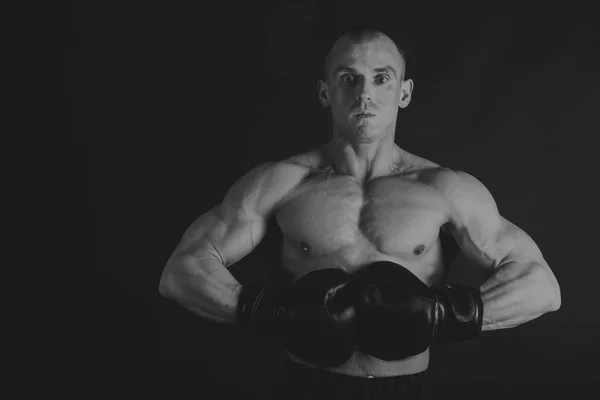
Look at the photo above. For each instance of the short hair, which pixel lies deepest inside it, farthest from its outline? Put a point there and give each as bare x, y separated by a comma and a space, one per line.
357, 34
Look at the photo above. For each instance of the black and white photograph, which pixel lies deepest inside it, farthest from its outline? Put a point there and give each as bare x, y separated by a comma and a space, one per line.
328, 200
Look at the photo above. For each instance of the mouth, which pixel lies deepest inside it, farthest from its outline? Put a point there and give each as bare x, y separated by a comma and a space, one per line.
364, 115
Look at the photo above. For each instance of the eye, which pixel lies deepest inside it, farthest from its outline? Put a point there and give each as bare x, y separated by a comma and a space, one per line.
347, 78
382, 78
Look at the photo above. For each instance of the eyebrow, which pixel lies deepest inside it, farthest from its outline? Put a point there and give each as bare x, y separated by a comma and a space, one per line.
387, 69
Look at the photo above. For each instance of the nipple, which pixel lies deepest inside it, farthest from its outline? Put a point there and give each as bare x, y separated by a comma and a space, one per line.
419, 249
305, 247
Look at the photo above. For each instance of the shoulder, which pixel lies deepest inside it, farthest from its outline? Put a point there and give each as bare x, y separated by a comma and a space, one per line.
467, 197
312, 160
282, 175
265, 185
455, 183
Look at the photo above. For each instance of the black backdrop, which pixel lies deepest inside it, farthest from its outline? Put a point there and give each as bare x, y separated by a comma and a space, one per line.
177, 101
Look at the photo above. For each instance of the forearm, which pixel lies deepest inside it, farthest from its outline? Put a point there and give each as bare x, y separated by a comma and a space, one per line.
201, 283
517, 293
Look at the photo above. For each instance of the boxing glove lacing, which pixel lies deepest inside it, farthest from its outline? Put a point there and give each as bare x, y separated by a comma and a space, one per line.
458, 315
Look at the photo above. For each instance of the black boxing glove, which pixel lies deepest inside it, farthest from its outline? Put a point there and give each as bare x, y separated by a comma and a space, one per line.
399, 316
395, 313
313, 316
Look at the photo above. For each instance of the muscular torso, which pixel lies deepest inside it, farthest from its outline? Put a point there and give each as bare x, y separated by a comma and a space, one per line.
331, 220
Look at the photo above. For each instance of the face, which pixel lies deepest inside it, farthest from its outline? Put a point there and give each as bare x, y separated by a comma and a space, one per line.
365, 87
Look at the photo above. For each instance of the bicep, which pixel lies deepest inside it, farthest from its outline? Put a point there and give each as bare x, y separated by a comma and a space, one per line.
226, 233
489, 243
233, 229
482, 233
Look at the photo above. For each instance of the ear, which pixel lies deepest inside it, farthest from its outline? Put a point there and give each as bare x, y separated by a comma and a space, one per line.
323, 91
406, 93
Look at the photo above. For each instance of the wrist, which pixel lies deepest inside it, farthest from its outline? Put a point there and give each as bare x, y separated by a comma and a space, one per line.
235, 295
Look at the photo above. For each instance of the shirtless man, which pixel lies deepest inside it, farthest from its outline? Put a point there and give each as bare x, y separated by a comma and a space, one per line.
362, 222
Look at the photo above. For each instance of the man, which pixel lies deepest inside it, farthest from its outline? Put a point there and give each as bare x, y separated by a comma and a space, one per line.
362, 223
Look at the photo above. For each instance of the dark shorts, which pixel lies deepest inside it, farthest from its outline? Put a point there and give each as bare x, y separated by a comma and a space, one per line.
301, 382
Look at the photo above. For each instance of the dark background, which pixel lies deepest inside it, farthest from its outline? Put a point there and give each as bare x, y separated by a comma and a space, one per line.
175, 102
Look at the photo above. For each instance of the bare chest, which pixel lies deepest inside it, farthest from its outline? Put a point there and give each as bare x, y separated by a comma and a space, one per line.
336, 219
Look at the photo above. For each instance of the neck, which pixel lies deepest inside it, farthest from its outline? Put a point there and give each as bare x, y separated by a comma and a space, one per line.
363, 160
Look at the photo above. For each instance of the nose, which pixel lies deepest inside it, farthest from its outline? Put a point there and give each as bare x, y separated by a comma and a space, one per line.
365, 90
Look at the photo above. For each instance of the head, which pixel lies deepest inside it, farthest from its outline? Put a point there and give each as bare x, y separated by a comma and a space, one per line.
364, 84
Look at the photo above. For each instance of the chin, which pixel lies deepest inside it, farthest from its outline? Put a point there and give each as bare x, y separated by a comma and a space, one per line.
366, 136
366, 127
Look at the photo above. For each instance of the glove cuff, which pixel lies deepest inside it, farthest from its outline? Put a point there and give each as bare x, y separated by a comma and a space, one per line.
258, 309
460, 313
